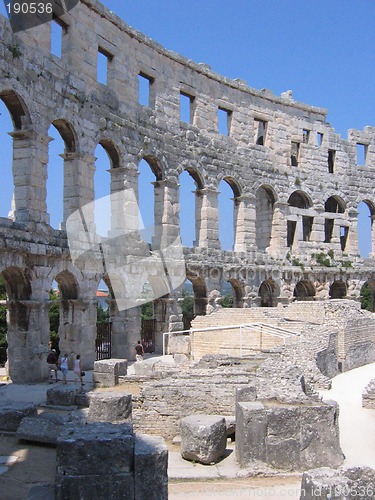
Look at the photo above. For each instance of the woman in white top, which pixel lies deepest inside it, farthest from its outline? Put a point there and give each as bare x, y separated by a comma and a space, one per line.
64, 367
78, 369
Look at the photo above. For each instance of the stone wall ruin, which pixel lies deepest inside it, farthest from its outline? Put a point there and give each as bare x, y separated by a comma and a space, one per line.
296, 183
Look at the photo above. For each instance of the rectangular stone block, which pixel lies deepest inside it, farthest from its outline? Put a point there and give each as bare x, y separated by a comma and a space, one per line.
110, 407
251, 431
12, 413
95, 487
95, 448
64, 395
105, 379
113, 365
150, 465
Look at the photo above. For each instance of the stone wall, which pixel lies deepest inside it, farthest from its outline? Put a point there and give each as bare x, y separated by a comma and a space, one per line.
272, 191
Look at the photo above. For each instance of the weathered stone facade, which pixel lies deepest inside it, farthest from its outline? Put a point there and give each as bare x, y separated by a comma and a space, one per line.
296, 184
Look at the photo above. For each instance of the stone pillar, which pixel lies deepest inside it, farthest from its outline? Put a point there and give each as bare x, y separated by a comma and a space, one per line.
166, 213
77, 330
317, 233
126, 331
30, 158
28, 339
278, 246
244, 222
163, 310
124, 205
352, 241
207, 213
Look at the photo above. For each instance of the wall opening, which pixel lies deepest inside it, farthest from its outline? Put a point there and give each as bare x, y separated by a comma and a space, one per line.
189, 182
307, 224
146, 95
331, 160
267, 293
367, 295
344, 232
366, 213
319, 138
149, 174
328, 230
104, 59
304, 290
224, 118
55, 177
186, 108
361, 154
7, 183
58, 31
102, 187
290, 232
337, 290
305, 136
228, 192
294, 154
264, 211
260, 130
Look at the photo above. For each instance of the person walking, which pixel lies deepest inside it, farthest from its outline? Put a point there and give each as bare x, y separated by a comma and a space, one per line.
139, 351
78, 372
64, 367
52, 365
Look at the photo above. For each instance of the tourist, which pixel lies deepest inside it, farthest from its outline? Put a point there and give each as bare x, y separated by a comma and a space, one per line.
139, 351
52, 365
64, 367
78, 372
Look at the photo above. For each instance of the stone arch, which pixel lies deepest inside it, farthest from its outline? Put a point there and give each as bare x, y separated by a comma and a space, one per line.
225, 206
17, 109
366, 230
67, 133
264, 213
190, 229
200, 293
112, 150
238, 292
338, 290
68, 285
335, 204
300, 199
367, 295
304, 290
155, 166
17, 283
268, 293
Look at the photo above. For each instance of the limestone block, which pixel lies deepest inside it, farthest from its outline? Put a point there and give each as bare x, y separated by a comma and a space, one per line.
251, 431
105, 379
113, 365
43, 428
110, 407
150, 466
342, 484
203, 438
179, 344
246, 394
95, 448
63, 395
12, 413
95, 487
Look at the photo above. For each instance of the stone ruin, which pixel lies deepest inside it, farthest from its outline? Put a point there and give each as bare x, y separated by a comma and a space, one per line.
296, 185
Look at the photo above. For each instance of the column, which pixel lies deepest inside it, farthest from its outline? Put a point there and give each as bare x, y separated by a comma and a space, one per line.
244, 222
28, 339
207, 216
126, 331
352, 247
77, 330
166, 213
278, 246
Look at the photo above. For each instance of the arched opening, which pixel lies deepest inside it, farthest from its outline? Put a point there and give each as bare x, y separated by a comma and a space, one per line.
59, 184
7, 182
264, 208
150, 200
304, 290
337, 290
366, 213
200, 294
335, 205
268, 292
14, 117
190, 182
299, 199
367, 296
237, 292
228, 192
3, 322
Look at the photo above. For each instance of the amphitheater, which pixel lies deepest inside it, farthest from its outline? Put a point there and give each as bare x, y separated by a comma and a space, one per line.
296, 190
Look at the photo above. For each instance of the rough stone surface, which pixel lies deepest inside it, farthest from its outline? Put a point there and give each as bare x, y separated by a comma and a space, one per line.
44, 428
203, 438
345, 483
107, 371
150, 465
110, 407
288, 437
63, 395
12, 413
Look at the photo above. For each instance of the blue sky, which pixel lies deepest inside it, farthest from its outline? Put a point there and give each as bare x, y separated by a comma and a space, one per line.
323, 50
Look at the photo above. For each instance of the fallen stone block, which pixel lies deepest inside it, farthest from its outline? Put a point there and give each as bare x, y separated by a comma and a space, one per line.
345, 483
110, 407
43, 428
12, 413
150, 468
64, 395
203, 438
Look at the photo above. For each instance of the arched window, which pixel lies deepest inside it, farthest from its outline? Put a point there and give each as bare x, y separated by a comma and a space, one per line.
267, 293
7, 183
264, 217
149, 200
189, 181
299, 203
228, 192
337, 290
304, 290
366, 213
59, 182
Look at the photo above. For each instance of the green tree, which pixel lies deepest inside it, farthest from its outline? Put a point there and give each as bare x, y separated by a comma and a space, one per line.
366, 297
102, 315
227, 301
